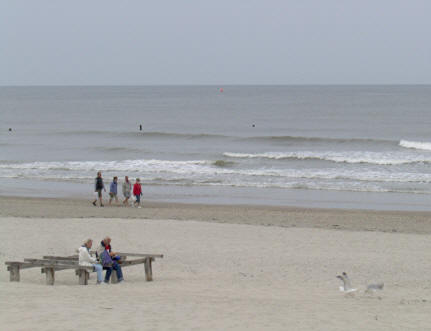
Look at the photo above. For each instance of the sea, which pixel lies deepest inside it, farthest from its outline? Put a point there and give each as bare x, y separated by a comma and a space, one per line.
354, 147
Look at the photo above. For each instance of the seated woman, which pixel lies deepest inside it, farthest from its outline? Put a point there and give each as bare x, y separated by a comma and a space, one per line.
85, 259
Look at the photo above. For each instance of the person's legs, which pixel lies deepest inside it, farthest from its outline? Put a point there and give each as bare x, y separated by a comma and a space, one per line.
108, 274
138, 200
110, 198
98, 268
100, 198
117, 268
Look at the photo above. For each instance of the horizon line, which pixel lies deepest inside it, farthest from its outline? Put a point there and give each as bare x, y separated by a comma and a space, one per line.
216, 85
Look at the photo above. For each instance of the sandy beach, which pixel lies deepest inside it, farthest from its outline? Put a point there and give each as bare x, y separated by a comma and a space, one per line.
340, 219
223, 270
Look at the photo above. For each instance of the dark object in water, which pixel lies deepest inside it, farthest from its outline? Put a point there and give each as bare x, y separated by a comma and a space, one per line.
140, 127
10, 129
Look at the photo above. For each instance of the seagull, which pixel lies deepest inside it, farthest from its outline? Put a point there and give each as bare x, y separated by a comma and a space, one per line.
347, 285
371, 288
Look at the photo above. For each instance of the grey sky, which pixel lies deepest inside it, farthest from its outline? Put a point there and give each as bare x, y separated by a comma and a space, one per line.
104, 42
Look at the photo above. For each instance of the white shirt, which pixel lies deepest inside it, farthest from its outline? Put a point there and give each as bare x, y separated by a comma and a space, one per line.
85, 259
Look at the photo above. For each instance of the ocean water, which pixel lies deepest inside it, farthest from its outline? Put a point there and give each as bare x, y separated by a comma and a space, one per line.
316, 146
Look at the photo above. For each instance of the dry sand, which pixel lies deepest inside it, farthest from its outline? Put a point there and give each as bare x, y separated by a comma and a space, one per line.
219, 276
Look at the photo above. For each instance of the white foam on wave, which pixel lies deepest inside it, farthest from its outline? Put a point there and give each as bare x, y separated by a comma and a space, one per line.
126, 165
206, 174
354, 157
416, 145
200, 171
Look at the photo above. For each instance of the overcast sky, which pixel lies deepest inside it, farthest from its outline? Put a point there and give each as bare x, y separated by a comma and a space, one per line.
120, 42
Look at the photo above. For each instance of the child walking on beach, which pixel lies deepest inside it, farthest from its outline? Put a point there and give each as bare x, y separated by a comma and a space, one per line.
113, 190
137, 192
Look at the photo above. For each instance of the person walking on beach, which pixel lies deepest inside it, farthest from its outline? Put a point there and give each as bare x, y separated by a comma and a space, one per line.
127, 188
113, 190
137, 192
85, 259
99, 186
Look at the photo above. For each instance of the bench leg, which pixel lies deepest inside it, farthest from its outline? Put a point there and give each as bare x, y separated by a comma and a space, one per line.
114, 278
83, 277
14, 273
148, 270
50, 276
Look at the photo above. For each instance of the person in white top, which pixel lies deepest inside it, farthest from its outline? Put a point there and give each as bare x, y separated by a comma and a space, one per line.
85, 259
127, 187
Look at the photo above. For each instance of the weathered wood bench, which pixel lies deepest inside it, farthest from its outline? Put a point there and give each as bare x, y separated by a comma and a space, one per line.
48, 267
50, 264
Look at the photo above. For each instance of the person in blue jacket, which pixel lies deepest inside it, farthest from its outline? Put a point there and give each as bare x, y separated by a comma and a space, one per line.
113, 190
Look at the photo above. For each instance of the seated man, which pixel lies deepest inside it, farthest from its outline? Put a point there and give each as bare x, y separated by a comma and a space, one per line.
105, 245
85, 259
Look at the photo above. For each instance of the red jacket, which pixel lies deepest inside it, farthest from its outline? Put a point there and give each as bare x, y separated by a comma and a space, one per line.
137, 190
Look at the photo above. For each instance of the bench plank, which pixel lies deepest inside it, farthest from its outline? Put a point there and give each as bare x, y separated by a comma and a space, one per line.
52, 261
26, 265
53, 257
140, 255
127, 263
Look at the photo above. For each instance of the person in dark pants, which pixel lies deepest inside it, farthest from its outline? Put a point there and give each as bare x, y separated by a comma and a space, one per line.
105, 245
98, 187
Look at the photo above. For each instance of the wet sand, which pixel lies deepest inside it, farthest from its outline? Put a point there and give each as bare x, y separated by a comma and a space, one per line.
352, 220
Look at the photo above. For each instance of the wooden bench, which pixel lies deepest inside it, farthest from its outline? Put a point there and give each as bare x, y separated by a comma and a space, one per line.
48, 267
50, 264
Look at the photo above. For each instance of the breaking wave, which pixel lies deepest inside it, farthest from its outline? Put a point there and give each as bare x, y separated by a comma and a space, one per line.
378, 158
203, 171
126, 165
416, 145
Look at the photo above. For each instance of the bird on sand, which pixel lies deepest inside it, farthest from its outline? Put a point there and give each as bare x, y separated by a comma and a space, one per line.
347, 285
371, 288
